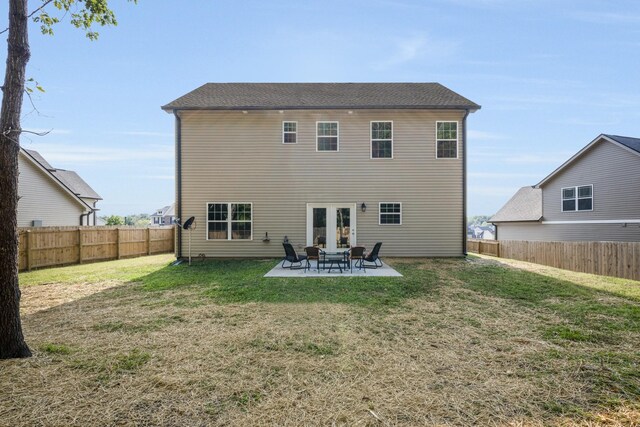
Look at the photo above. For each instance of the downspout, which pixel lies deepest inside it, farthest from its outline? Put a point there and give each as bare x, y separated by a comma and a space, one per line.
178, 182
464, 182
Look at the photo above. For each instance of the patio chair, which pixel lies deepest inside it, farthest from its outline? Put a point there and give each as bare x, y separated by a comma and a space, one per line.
322, 241
357, 253
372, 257
293, 258
313, 253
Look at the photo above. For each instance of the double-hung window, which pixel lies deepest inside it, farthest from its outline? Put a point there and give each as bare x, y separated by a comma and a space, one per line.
229, 221
446, 140
382, 140
577, 198
390, 213
289, 132
327, 136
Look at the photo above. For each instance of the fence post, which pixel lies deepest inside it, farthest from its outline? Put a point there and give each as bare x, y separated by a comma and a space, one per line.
117, 243
148, 241
28, 250
79, 245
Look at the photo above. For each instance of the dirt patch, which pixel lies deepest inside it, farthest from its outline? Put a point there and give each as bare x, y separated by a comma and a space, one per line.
45, 296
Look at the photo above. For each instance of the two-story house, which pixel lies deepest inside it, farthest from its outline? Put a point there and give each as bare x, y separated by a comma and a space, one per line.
328, 164
164, 216
593, 196
51, 196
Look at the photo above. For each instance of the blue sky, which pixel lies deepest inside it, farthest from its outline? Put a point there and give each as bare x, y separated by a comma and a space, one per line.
550, 76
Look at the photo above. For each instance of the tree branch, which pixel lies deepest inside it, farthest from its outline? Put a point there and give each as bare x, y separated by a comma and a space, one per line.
42, 6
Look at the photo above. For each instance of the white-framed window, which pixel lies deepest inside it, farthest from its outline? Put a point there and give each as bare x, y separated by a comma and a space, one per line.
579, 198
327, 136
447, 140
390, 213
289, 132
382, 140
229, 221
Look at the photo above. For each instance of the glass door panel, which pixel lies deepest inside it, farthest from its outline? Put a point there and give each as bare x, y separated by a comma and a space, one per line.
320, 227
343, 228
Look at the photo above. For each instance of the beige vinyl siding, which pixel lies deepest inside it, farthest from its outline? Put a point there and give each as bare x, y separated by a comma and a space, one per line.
234, 157
614, 173
41, 198
569, 232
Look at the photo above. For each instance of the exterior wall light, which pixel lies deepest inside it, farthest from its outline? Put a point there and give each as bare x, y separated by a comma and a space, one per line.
363, 207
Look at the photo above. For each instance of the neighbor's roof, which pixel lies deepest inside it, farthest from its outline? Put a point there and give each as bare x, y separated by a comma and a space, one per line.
525, 205
630, 144
287, 96
169, 210
69, 178
76, 184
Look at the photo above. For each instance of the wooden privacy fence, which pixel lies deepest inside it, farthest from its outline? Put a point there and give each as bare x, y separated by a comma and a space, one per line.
617, 259
53, 246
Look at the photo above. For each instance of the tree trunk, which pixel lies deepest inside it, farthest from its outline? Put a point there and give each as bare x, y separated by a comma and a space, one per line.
12, 342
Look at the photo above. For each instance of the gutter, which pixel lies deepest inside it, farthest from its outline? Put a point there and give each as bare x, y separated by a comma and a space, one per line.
464, 182
178, 213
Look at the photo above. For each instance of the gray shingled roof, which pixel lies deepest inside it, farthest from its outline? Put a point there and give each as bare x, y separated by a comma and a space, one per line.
632, 143
265, 96
39, 159
525, 205
75, 183
69, 178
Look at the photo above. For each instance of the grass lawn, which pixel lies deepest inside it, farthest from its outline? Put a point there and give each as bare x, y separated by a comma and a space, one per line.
453, 342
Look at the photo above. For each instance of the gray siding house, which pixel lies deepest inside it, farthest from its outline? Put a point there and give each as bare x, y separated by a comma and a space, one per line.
164, 216
52, 197
327, 164
593, 196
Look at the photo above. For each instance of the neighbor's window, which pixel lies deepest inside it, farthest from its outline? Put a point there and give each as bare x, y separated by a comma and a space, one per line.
390, 213
446, 140
327, 136
381, 140
577, 198
289, 132
229, 221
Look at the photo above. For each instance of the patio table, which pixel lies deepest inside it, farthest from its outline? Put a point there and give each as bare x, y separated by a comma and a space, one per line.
335, 259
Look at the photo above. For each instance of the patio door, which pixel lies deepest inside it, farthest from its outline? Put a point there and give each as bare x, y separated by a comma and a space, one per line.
331, 226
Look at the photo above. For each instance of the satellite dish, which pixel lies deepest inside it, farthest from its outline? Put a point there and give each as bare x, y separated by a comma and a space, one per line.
190, 223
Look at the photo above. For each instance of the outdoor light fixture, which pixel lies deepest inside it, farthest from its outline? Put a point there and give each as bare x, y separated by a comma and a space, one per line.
363, 207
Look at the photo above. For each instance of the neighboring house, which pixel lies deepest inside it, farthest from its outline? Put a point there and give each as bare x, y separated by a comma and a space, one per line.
51, 196
485, 232
328, 164
164, 216
593, 196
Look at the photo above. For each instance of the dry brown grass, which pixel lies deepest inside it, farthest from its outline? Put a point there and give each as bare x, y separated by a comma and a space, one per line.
176, 358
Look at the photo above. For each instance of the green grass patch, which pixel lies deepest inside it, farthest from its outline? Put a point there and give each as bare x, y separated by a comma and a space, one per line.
144, 326
564, 333
51, 348
108, 367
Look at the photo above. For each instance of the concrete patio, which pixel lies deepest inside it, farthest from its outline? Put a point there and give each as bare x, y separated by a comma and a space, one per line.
384, 271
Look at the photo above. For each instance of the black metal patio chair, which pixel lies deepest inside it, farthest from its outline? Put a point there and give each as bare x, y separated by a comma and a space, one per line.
372, 258
313, 253
293, 258
357, 253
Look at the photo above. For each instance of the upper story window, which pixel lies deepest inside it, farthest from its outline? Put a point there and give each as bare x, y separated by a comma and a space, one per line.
229, 221
289, 132
327, 136
577, 198
390, 213
381, 140
446, 140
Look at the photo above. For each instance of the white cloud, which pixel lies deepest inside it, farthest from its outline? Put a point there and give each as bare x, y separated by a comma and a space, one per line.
536, 159
82, 154
145, 133
502, 175
608, 17
492, 191
484, 136
417, 47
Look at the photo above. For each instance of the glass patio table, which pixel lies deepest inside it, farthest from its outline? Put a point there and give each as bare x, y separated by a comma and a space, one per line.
334, 259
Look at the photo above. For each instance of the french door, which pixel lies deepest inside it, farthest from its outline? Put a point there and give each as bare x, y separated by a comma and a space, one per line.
331, 226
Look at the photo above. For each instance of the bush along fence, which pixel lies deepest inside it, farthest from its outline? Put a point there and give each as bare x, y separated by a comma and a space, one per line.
55, 246
617, 259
